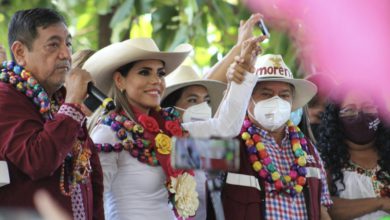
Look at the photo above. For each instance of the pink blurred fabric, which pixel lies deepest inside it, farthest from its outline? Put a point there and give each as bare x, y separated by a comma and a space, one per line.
347, 39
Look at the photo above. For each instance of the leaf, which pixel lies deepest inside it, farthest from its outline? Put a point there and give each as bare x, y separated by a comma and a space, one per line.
102, 6
180, 37
84, 20
119, 30
143, 6
122, 13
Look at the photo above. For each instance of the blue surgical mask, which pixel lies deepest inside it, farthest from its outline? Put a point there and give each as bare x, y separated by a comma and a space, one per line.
296, 116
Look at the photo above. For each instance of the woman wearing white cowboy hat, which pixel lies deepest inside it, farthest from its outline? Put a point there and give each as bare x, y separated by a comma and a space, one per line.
197, 100
186, 91
135, 138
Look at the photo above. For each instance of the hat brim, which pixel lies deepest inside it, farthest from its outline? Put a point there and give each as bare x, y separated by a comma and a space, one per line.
214, 88
304, 90
106, 61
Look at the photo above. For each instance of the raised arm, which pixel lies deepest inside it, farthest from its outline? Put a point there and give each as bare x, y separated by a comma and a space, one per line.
230, 116
219, 70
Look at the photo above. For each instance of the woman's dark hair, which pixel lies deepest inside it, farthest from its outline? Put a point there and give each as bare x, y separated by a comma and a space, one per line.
172, 98
334, 150
24, 24
124, 70
305, 126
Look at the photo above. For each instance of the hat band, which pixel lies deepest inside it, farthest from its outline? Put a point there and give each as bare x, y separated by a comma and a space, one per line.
273, 71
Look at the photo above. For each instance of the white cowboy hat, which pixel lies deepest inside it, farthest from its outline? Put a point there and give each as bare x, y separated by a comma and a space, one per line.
104, 62
186, 76
271, 67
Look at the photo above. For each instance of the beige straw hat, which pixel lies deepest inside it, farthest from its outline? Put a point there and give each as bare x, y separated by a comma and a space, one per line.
104, 62
186, 76
271, 67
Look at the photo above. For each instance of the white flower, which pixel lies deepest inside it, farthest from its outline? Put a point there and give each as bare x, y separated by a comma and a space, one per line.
186, 197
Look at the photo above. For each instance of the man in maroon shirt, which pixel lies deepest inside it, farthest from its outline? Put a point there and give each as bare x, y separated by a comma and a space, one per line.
43, 136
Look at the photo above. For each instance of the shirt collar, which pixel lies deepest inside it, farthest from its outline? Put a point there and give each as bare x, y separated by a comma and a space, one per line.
266, 136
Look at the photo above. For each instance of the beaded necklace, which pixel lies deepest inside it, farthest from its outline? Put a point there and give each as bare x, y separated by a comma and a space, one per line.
22, 80
154, 148
76, 163
266, 169
132, 137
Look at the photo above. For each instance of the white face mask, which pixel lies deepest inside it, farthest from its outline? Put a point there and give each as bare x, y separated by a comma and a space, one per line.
199, 112
272, 113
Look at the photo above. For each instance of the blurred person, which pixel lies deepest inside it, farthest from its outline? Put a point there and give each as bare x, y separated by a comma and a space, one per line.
134, 139
355, 144
316, 106
3, 54
196, 99
281, 175
44, 138
78, 60
48, 208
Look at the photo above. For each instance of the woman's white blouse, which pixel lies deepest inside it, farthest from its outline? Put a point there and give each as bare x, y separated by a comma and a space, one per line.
136, 191
358, 186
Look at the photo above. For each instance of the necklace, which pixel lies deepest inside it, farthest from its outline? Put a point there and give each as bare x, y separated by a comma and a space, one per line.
22, 80
263, 165
76, 163
154, 148
132, 135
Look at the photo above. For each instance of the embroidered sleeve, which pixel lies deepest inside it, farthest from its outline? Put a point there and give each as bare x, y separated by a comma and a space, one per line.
72, 111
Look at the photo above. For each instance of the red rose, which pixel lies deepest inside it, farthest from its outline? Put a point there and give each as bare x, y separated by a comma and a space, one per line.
174, 128
149, 123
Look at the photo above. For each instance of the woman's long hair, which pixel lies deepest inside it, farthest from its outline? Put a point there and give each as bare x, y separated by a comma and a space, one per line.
334, 150
119, 97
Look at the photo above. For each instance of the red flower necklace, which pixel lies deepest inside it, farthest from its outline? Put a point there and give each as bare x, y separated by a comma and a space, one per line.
261, 162
154, 150
132, 134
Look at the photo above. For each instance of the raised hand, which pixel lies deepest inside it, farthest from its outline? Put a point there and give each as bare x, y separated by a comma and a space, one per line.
245, 31
250, 49
76, 85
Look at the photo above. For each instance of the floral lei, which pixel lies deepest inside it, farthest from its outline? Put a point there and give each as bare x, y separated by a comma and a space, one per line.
76, 163
132, 135
266, 169
155, 151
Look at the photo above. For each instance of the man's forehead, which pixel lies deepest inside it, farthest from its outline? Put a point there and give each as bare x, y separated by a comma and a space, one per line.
54, 31
274, 86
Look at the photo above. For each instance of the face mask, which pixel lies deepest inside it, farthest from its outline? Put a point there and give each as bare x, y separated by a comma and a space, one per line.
272, 113
296, 116
360, 129
199, 112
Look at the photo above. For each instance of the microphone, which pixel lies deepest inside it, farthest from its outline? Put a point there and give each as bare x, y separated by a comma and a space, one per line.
96, 98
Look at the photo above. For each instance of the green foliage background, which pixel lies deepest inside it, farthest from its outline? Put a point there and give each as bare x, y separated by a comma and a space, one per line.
209, 25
